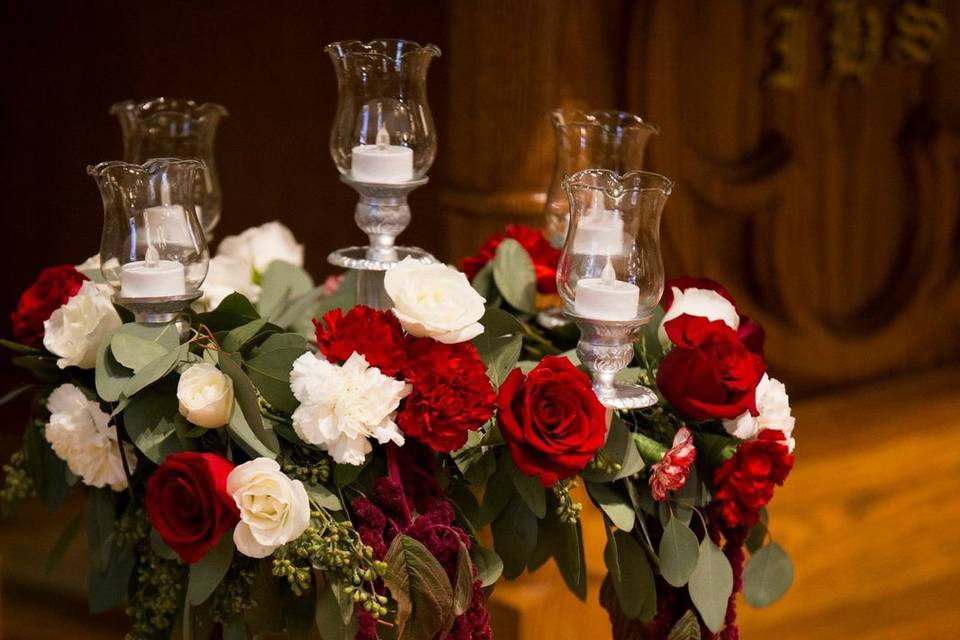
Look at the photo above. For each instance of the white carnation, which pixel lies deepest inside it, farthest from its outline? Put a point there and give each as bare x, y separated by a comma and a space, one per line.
341, 407
259, 246
773, 406
75, 330
80, 435
435, 301
273, 508
227, 275
704, 303
206, 396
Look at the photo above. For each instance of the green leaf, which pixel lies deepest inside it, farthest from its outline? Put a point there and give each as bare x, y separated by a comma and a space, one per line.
100, 517
483, 283
44, 368
324, 497
245, 334
686, 628
233, 311
615, 505
246, 395
160, 547
548, 535
344, 298
150, 421
502, 361
631, 575
63, 543
463, 587
155, 370
711, 584
496, 495
514, 536
269, 369
474, 460
619, 449
570, 558
206, 574
328, 615
281, 283
15, 393
420, 587
344, 474
110, 376
758, 533
678, 553
528, 487
108, 588
767, 576
500, 343
514, 275
134, 352
650, 338
488, 563
16, 347
240, 429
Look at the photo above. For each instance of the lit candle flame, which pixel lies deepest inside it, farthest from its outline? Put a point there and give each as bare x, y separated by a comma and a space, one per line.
383, 137
153, 256
608, 276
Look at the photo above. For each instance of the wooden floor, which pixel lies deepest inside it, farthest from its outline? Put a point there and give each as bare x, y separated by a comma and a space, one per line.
870, 515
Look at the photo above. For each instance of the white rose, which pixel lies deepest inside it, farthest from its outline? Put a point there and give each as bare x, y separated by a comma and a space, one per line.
705, 303
273, 508
773, 406
434, 300
259, 246
80, 434
342, 406
206, 396
75, 330
227, 275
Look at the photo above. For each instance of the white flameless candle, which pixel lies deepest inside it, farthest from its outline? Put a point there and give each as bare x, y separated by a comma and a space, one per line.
600, 231
381, 163
606, 298
152, 277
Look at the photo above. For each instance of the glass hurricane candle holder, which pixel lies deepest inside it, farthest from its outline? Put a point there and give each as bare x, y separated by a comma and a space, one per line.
610, 274
383, 142
174, 128
153, 251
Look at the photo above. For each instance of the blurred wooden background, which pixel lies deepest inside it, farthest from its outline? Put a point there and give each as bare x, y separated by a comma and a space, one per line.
816, 148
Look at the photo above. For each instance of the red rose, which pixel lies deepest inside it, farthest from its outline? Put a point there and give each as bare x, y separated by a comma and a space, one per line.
376, 335
52, 289
750, 333
188, 503
745, 482
709, 373
543, 255
551, 420
451, 393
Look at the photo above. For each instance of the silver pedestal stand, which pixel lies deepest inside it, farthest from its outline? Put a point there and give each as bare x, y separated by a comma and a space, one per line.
382, 213
160, 311
606, 347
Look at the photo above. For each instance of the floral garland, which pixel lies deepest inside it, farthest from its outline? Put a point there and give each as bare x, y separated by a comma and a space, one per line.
300, 461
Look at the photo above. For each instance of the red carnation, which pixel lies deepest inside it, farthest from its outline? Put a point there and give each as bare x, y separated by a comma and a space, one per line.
543, 255
750, 333
451, 393
709, 373
188, 504
745, 482
551, 420
52, 289
374, 334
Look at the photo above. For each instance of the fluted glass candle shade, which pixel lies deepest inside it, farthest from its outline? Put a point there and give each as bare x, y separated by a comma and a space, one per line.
152, 245
602, 139
174, 128
383, 131
610, 268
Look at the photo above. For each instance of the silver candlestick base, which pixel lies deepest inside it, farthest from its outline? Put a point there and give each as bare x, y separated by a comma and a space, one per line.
160, 310
606, 347
382, 213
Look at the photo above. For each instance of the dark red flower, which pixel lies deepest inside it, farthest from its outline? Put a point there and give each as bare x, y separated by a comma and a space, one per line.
374, 334
745, 482
750, 333
188, 504
709, 373
551, 420
451, 393
52, 289
543, 255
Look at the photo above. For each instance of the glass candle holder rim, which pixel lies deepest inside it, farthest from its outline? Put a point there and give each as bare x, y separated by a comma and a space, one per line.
147, 168
614, 182
571, 116
155, 106
377, 47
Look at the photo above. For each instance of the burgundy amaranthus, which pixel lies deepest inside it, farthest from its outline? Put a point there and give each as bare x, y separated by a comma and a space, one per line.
409, 502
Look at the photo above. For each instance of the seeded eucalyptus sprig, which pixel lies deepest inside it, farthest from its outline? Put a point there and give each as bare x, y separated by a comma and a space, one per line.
569, 509
17, 483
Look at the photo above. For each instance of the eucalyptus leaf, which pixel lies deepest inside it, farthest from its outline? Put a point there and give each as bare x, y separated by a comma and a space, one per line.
758, 532
206, 574
150, 420
160, 547
483, 282
496, 495
44, 368
324, 497
100, 518
500, 343
155, 370
67, 536
233, 311
165, 336
631, 576
615, 505
106, 589
463, 586
241, 432
11, 395
16, 347
514, 536
488, 563
344, 474
420, 587
570, 558
344, 298
514, 275
711, 584
620, 449
242, 336
528, 487
767, 576
281, 283
246, 395
678, 553
328, 616
269, 369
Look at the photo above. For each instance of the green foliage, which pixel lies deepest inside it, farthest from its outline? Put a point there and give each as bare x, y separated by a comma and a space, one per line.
247, 424
514, 535
233, 311
269, 369
155, 370
767, 576
614, 504
570, 558
678, 552
421, 589
621, 451
711, 584
334, 620
17, 483
488, 563
111, 565
758, 533
152, 419
207, 573
514, 276
631, 575
528, 487
500, 343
